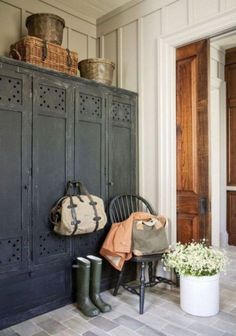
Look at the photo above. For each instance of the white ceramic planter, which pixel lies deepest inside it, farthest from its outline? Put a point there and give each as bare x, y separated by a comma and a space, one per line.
200, 295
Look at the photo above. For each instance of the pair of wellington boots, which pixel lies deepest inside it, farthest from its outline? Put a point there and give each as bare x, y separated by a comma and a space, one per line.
88, 283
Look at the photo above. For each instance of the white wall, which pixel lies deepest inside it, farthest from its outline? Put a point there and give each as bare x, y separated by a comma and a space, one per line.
79, 33
151, 21
218, 158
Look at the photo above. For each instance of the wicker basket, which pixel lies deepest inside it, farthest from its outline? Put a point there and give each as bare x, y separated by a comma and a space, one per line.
46, 26
98, 69
36, 51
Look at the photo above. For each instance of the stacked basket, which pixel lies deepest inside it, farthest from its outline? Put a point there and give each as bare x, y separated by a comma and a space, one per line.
42, 46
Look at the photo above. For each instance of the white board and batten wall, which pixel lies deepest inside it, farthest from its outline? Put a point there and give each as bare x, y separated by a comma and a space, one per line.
140, 39
79, 33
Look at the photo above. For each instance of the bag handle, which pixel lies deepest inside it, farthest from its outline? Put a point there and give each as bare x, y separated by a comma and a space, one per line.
54, 215
14, 53
81, 188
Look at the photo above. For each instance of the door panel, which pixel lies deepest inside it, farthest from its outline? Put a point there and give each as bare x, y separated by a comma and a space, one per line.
15, 192
230, 77
15, 136
52, 165
231, 216
90, 138
122, 146
192, 142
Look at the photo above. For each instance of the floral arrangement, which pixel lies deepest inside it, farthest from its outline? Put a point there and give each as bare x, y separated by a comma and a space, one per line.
196, 259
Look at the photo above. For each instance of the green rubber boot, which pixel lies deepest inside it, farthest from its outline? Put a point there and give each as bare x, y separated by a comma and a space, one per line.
82, 291
95, 283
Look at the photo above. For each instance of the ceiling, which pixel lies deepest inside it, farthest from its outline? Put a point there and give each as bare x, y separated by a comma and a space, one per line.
93, 8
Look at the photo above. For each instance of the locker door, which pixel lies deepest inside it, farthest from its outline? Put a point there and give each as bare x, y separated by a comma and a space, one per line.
122, 160
15, 135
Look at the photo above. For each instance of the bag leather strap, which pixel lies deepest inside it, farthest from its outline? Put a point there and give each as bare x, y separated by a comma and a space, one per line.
72, 207
96, 218
54, 214
80, 188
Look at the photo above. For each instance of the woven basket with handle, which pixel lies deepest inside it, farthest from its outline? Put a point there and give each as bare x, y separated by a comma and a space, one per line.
39, 52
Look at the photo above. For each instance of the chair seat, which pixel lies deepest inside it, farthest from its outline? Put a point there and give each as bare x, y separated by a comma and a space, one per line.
147, 258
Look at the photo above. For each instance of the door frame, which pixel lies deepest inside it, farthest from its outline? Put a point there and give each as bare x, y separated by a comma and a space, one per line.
166, 116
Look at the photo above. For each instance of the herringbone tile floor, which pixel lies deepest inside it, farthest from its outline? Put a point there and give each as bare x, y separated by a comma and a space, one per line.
162, 316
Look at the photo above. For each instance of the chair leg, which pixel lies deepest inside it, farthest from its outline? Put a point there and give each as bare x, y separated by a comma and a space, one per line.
177, 281
150, 271
142, 288
118, 281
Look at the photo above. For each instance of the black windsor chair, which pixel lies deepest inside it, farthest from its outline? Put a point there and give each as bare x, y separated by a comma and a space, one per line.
120, 208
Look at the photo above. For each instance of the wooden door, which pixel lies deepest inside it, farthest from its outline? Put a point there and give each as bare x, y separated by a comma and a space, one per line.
230, 77
122, 143
192, 142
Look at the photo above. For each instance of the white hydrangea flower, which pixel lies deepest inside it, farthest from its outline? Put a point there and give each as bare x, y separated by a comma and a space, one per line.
195, 259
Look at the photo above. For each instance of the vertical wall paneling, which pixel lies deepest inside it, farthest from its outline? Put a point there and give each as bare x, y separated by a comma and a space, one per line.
229, 4
102, 46
98, 53
92, 47
120, 57
129, 56
13, 14
80, 43
150, 31
110, 51
140, 105
10, 26
175, 16
113, 21
200, 9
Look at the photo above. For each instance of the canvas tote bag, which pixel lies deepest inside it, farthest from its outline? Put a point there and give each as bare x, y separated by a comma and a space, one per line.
78, 213
149, 237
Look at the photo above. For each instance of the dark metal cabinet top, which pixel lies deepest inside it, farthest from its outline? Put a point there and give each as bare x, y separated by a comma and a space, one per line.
19, 66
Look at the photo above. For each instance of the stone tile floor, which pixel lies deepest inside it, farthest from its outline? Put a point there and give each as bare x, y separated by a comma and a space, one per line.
162, 316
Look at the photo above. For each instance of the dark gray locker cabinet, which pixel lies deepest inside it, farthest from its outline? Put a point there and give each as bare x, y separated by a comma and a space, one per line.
55, 128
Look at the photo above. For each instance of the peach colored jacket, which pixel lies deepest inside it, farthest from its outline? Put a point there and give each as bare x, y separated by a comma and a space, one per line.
117, 247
